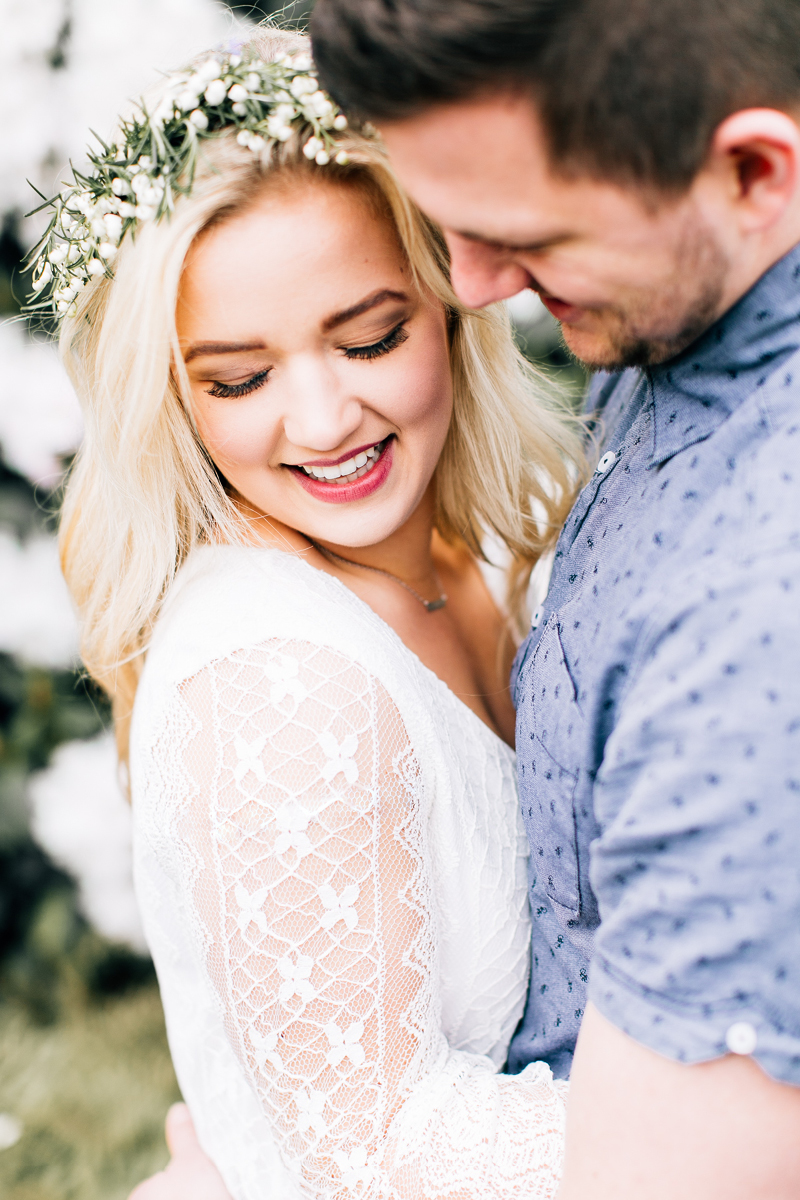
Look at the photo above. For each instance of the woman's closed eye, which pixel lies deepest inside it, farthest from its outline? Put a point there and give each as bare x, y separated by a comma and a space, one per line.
393, 339
390, 342
229, 391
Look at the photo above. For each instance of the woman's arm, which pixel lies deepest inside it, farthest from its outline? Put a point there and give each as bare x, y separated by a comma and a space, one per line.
190, 1174
305, 822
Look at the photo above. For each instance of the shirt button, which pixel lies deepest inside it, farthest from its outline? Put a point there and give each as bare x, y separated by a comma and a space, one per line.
741, 1038
536, 618
606, 461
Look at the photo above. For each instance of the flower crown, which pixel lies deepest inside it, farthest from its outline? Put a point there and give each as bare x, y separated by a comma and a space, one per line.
136, 178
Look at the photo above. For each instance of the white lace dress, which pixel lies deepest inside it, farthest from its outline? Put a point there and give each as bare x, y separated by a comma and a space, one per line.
331, 869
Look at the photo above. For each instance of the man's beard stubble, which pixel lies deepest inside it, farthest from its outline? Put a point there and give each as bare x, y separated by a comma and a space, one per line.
683, 312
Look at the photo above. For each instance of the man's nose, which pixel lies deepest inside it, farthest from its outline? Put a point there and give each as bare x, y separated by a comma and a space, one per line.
482, 274
321, 412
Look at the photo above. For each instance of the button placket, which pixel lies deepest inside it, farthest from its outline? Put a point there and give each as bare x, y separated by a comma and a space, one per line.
588, 496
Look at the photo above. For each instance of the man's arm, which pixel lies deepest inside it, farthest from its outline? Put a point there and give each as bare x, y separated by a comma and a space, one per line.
642, 1127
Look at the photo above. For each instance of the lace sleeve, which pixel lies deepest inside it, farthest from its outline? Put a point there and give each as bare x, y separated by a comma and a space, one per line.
306, 822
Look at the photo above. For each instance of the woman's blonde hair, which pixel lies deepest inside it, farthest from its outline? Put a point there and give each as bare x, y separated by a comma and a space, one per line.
143, 491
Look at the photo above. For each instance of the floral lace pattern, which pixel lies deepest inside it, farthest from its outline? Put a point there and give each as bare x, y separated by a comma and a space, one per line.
308, 863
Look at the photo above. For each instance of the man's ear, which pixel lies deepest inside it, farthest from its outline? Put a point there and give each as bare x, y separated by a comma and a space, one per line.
758, 149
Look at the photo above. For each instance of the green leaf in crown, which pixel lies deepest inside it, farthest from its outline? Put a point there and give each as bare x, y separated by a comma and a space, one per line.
136, 178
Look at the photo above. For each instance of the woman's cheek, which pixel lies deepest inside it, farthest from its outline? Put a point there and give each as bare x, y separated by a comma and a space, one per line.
422, 395
235, 436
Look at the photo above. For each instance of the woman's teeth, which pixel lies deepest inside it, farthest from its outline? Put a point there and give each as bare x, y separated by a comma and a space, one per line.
354, 468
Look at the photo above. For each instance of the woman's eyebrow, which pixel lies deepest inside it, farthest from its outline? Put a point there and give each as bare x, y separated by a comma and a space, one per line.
356, 310
201, 349
207, 349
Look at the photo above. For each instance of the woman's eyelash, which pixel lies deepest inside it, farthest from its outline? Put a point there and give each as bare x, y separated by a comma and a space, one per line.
397, 336
229, 391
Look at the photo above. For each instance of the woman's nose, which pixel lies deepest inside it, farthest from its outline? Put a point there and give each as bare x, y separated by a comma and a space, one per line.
320, 412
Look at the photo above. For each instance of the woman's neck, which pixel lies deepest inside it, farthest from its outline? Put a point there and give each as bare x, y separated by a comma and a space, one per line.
405, 553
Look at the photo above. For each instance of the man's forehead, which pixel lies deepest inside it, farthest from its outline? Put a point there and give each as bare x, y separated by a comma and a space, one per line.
480, 168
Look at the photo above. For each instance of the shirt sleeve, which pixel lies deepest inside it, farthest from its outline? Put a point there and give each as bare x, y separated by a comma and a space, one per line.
697, 867
313, 897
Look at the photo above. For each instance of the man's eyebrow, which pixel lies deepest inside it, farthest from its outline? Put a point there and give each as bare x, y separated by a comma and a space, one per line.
356, 310
203, 349
554, 239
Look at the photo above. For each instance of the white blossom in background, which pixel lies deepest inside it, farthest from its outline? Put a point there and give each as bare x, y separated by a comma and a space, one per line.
40, 419
11, 1130
114, 51
37, 621
526, 309
80, 817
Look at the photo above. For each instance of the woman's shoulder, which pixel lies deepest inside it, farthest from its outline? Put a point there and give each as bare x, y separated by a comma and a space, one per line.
229, 598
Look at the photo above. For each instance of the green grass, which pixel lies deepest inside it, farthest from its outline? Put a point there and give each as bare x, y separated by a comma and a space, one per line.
91, 1090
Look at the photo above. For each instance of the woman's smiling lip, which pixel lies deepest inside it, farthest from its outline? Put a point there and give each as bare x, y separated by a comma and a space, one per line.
334, 462
342, 493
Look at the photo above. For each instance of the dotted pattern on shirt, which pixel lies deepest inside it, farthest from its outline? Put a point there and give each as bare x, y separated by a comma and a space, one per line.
658, 725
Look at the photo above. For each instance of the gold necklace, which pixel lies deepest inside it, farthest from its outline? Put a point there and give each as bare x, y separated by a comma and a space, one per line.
429, 605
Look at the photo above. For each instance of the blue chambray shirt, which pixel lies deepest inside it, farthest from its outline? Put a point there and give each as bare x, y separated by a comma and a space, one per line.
658, 710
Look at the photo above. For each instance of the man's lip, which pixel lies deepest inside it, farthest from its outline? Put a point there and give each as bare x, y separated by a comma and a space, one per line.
560, 309
334, 462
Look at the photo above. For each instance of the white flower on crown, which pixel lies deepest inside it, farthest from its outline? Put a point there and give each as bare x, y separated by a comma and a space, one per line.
215, 92
319, 104
43, 275
313, 147
113, 227
209, 70
303, 85
268, 98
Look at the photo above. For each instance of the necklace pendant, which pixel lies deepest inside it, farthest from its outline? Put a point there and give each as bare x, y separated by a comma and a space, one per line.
435, 605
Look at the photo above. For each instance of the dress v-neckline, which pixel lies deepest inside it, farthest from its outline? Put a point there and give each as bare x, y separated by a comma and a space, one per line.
365, 609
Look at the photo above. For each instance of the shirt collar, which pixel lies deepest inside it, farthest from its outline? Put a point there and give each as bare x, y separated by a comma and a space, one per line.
697, 390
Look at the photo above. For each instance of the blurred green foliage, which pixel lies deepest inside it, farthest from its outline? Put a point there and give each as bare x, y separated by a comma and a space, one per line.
50, 959
12, 286
91, 1092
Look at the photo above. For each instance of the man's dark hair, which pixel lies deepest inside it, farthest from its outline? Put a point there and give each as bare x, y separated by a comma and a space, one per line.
627, 90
